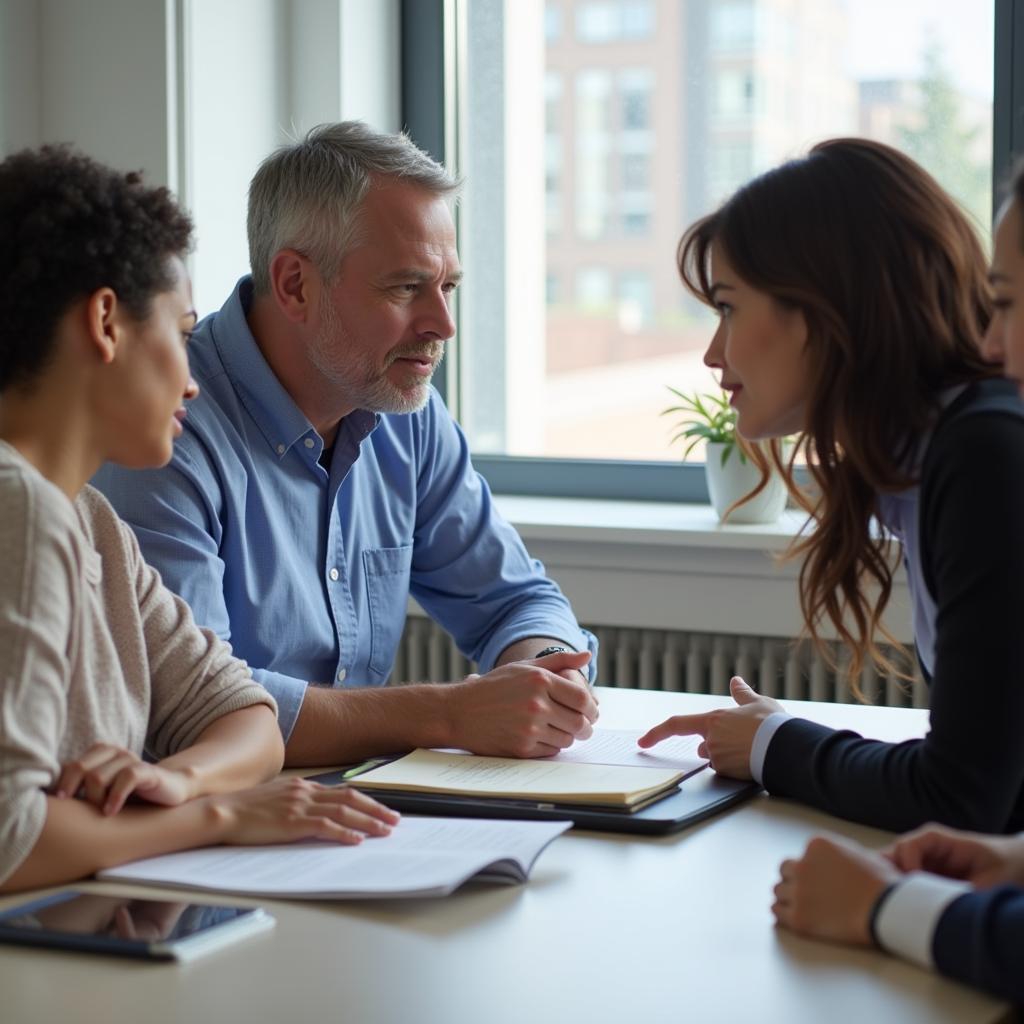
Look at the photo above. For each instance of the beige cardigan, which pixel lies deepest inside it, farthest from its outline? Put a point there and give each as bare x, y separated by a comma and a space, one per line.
93, 648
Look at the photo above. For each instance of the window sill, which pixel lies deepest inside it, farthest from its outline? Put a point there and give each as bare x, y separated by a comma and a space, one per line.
659, 565
663, 524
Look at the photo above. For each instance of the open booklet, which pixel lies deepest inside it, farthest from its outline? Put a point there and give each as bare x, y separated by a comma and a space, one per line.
607, 770
421, 857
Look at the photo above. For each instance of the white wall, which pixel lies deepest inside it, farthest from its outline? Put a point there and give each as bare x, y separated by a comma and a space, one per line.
109, 98
345, 63
67, 77
19, 91
370, 71
235, 104
195, 93
255, 82
257, 74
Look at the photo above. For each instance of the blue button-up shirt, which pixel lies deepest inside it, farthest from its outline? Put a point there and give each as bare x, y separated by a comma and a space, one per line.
307, 572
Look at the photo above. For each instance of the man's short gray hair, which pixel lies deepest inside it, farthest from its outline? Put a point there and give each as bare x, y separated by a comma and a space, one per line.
306, 196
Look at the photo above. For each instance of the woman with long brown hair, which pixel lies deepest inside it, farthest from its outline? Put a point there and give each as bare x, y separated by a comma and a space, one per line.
948, 900
853, 301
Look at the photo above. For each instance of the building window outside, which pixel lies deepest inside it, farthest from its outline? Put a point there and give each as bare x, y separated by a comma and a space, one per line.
635, 89
734, 94
608, 21
552, 22
733, 25
635, 222
593, 152
594, 289
551, 290
597, 22
683, 102
636, 172
637, 19
553, 143
636, 301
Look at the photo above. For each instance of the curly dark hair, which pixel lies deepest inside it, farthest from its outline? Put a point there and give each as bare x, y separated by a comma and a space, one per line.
68, 226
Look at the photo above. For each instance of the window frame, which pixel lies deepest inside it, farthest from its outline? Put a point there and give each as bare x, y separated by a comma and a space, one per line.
428, 77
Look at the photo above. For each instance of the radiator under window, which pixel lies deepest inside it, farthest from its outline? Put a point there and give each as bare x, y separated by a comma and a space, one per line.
656, 659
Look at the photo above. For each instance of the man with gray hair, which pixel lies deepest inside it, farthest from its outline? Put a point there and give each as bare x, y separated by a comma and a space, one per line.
320, 480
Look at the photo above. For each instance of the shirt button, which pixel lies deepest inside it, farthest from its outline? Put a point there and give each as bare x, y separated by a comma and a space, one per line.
341, 676
334, 575
280, 449
309, 442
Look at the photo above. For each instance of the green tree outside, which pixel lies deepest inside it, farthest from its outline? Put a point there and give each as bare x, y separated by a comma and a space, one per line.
944, 145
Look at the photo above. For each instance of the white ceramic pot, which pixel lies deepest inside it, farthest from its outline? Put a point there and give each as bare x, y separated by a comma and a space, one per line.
737, 477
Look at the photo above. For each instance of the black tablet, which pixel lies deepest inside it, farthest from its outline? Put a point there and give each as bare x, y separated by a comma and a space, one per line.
149, 929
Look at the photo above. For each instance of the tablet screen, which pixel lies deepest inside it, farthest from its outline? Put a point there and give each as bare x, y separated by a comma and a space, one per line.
116, 924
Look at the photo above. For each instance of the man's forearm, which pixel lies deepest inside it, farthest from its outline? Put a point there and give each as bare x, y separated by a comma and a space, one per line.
342, 726
515, 710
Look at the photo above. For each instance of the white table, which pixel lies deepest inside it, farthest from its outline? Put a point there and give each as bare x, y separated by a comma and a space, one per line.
609, 928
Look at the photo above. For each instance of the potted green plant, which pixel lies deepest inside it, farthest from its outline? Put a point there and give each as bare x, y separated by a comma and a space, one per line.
731, 475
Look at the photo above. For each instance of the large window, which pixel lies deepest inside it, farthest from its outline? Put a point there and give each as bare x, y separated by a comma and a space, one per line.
591, 132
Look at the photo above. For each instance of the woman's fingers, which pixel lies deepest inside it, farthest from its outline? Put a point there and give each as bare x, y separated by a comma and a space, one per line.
677, 725
328, 829
357, 821
72, 774
353, 809
97, 781
107, 776
338, 813
130, 779
94, 772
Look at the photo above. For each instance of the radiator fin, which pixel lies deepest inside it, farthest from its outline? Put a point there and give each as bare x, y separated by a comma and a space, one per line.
651, 659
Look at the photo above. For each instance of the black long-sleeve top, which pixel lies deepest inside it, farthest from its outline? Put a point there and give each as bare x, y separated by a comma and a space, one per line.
968, 772
980, 940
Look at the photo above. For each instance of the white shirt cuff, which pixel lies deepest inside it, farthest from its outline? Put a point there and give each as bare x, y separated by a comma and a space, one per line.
759, 748
908, 918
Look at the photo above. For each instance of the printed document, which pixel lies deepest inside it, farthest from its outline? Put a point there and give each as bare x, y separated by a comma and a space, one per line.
421, 857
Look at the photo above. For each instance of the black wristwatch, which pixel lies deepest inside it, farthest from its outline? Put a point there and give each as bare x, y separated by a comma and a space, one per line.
553, 649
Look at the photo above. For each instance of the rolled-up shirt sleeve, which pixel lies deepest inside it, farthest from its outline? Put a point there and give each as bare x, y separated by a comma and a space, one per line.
288, 693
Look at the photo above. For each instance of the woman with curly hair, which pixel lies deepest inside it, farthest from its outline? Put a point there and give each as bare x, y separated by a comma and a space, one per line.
853, 302
99, 663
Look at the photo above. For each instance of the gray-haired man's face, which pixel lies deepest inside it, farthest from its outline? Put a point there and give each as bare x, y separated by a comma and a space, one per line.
385, 317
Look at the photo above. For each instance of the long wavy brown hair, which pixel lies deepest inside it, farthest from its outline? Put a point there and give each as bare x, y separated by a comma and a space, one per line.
891, 279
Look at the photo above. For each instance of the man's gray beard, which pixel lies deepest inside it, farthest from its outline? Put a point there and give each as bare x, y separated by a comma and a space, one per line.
360, 383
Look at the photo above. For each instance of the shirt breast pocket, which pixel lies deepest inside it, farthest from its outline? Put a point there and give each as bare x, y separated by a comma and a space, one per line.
387, 587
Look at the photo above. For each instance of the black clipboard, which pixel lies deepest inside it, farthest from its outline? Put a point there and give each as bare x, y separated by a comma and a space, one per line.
697, 797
